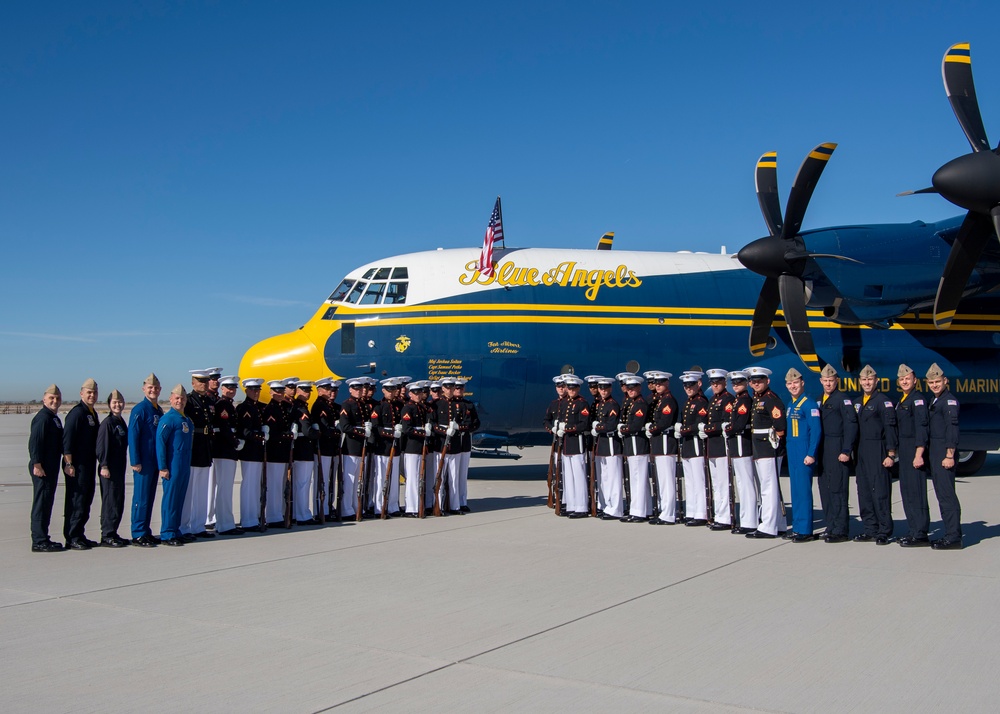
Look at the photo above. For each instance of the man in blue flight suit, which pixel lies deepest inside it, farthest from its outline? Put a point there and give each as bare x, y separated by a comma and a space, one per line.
942, 428
174, 437
142, 427
911, 420
802, 446
876, 449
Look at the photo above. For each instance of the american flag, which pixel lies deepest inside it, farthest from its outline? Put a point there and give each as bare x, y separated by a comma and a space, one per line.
494, 232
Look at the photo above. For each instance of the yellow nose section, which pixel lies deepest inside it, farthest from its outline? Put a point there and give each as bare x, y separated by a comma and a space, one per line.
287, 355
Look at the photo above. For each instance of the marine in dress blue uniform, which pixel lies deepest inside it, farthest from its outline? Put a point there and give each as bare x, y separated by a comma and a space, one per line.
250, 420
607, 415
943, 445
739, 441
142, 425
768, 422
720, 411
635, 444
200, 409
45, 445
572, 431
839, 422
664, 413
226, 445
174, 437
877, 444
802, 444
911, 423
690, 430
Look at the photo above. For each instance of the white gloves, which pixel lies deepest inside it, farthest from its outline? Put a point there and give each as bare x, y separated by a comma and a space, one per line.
701, 432
560, 429
368, 430
452, 428
621, 430
772, 436
295, 431
427, 430
677, 430
240, 444
267, 433
593, 430
725, 428
397, 432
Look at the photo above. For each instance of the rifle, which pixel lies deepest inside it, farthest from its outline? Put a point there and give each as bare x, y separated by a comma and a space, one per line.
732, 481
288, 481
548, 478
360, 485
655, 490
557, 478
385, 481
321, 485
709, 500
593, 480
262, 524
437, 478
336, 485
422, 482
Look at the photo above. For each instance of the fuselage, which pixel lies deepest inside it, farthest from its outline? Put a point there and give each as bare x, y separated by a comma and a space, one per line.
548, 311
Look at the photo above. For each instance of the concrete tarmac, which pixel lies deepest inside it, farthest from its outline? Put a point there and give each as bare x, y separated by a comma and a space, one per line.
506, 608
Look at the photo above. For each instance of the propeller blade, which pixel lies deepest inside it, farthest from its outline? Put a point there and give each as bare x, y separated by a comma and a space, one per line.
922, 190
605, 241
793, 304
766, 178
969, 243
763, 316
956, 68
802, 188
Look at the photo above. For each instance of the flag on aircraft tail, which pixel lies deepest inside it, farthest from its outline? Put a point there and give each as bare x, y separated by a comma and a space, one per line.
494, 232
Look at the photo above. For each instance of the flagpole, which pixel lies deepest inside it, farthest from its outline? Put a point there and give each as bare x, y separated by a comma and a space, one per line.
500, 212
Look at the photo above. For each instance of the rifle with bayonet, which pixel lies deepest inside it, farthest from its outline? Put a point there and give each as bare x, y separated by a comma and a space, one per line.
386, 483
262, 524
437, 478
289, 469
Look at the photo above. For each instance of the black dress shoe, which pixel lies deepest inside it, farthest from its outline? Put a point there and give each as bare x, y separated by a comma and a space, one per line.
632, 519
910, 542
407, 514
578, 514
210, 527
173, 542
91, 543
186, 538
882, 540
696, 522
802, 538
77, 544
742, 531
656, 521
465, 509
945, 544
863, 538
144, 542
231, 532
276, 524
835, 539
154, 539
123, 541
760, 534
720, 527
46, 547
204, 534
110, 542
458, 513
609, 517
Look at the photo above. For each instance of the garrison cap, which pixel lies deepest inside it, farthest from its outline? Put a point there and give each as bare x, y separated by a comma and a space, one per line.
828, 371
89, 384
792, 374
903, 371
867, 371
716, 373
198, 374
52, 389
152, 380
115, 394
252, 383
633, 380
276, 385
934, 372
179, 390
229, 381
572, 380
737, 375
758, 372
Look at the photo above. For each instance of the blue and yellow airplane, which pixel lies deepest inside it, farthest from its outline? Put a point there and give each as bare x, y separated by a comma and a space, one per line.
848, 295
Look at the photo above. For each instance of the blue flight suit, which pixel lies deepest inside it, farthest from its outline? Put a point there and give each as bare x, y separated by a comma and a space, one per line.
174, 439
142, 425
802, 440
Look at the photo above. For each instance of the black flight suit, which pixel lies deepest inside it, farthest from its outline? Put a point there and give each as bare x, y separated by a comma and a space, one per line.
877, 429
112, 451
943, 435
80, 442
45, 447
911, 421
839, 422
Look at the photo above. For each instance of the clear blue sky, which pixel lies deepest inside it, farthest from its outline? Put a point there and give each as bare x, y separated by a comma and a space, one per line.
182, 179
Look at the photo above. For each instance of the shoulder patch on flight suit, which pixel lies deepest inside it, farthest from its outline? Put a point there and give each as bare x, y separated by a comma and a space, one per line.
952, 403
776, 413
918, 402
815, 412
847, 403
888, 405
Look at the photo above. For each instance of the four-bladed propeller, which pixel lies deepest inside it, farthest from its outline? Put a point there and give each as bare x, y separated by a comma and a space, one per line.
781, 257
971, 181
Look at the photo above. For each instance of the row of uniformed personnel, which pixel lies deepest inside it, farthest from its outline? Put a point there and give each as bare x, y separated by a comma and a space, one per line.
195, 446
749, 431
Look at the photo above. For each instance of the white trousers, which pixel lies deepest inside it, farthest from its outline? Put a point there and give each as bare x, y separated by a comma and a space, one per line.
449, 482
770, 506
225, 478
194, 514
251, 473
349, 482
638, 479
323, 466
274, 508
574, 477
463, 478
302, 477
411, 470
212, 493
694, 487
375, 497
666, 481
610, 468
719, 468
746, 488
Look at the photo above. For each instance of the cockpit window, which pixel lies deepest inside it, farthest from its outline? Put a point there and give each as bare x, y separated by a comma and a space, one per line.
399, 274
368, 274
371, 297
341, 292
383, 273
396, 293
357, 292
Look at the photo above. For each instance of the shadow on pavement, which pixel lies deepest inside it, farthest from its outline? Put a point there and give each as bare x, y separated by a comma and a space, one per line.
481, 505
974, 533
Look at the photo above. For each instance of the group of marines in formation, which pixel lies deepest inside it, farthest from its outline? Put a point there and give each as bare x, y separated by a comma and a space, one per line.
301, 464
648, 455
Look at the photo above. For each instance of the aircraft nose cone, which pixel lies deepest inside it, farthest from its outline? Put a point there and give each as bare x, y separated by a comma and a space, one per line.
971, 181
283, 355
765, 256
